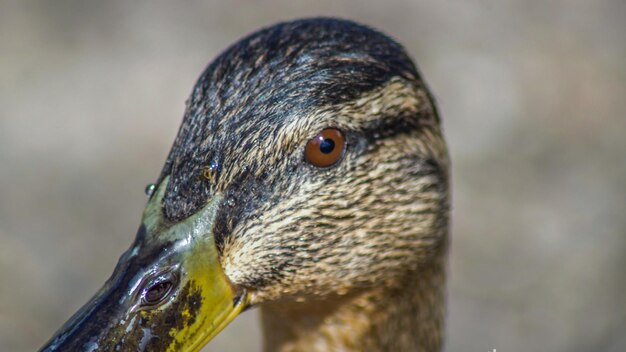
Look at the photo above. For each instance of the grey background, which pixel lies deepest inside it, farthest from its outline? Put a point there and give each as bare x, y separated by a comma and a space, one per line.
533, 100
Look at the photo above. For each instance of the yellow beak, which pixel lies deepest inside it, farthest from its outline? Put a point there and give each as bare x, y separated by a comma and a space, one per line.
180, 262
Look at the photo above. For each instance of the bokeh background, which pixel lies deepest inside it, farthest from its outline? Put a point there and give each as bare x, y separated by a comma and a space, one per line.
533, 100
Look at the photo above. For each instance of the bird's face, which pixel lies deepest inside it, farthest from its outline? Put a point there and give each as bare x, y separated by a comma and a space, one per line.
367, 219
310, 163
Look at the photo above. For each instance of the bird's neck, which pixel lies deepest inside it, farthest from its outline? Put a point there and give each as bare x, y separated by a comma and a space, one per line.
407, 318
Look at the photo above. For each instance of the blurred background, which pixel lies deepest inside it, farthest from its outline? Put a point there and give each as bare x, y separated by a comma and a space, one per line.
533, 98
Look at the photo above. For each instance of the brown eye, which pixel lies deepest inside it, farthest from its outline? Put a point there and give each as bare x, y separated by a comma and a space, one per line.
158, 290
326, 148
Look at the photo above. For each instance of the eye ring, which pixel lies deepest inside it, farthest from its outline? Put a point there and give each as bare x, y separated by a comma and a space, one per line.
325, 149
158, 289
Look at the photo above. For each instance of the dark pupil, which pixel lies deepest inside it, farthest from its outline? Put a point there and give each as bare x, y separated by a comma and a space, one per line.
327, 146
157, 292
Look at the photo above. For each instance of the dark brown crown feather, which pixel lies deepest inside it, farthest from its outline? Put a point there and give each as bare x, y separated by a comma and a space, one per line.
260, 84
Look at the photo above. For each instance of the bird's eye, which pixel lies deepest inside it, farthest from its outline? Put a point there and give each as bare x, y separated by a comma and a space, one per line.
158, 289
325, 149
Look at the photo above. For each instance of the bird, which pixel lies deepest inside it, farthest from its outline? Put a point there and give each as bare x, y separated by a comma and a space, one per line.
310, 179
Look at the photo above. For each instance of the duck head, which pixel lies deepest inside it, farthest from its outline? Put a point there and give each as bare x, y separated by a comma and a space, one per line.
309, 164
